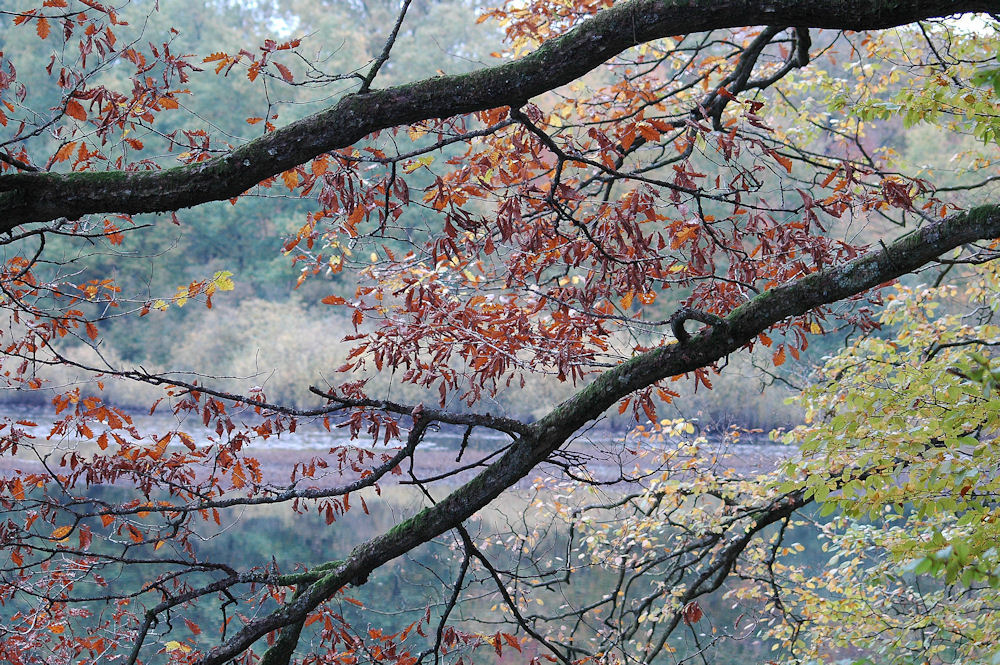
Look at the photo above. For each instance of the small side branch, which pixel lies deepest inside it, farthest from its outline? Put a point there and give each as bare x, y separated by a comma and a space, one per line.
385, 50
685, 314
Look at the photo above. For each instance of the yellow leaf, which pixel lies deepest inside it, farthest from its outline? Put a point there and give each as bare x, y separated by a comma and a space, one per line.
174, 645
426, 160
183, 295
61, 532
222, 280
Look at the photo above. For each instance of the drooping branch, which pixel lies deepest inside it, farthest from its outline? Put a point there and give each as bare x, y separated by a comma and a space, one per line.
38, 197
545, 436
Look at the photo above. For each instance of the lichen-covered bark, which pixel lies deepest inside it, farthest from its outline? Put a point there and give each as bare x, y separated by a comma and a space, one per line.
545, 436
38, 197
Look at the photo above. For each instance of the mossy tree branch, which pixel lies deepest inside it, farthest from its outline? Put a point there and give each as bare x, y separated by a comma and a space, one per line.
38, 197
546, 435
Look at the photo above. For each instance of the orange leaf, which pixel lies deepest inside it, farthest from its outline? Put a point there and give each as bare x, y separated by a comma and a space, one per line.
511, 640
160, 447
334, 300
74, 109
134, 534
106, 519
355, 218
649, 409
91, 330
286, 73
784, 161
779, 356
291, 178
168, 103
65, 152
239, 476
17, 489
61, 532
42, 28
320, 166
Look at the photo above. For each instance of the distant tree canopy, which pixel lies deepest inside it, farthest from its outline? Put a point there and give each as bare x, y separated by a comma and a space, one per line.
619, 197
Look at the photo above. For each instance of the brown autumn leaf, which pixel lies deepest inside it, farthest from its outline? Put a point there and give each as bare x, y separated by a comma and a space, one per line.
692, 613
74, 109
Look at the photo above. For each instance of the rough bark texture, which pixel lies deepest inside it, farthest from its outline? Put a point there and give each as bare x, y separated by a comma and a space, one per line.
548, 434
39, 197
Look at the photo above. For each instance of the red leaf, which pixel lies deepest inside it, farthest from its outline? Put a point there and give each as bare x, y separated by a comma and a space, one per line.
692, 613
285, 72
192, 626
74, 109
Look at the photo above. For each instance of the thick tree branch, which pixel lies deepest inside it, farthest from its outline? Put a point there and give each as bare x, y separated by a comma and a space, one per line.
38, 197
546, 435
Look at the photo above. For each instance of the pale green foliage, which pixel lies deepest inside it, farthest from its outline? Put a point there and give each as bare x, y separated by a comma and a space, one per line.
901, 443
900, 454
954, 89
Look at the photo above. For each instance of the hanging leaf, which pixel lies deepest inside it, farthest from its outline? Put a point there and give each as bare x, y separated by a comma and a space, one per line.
74, 109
